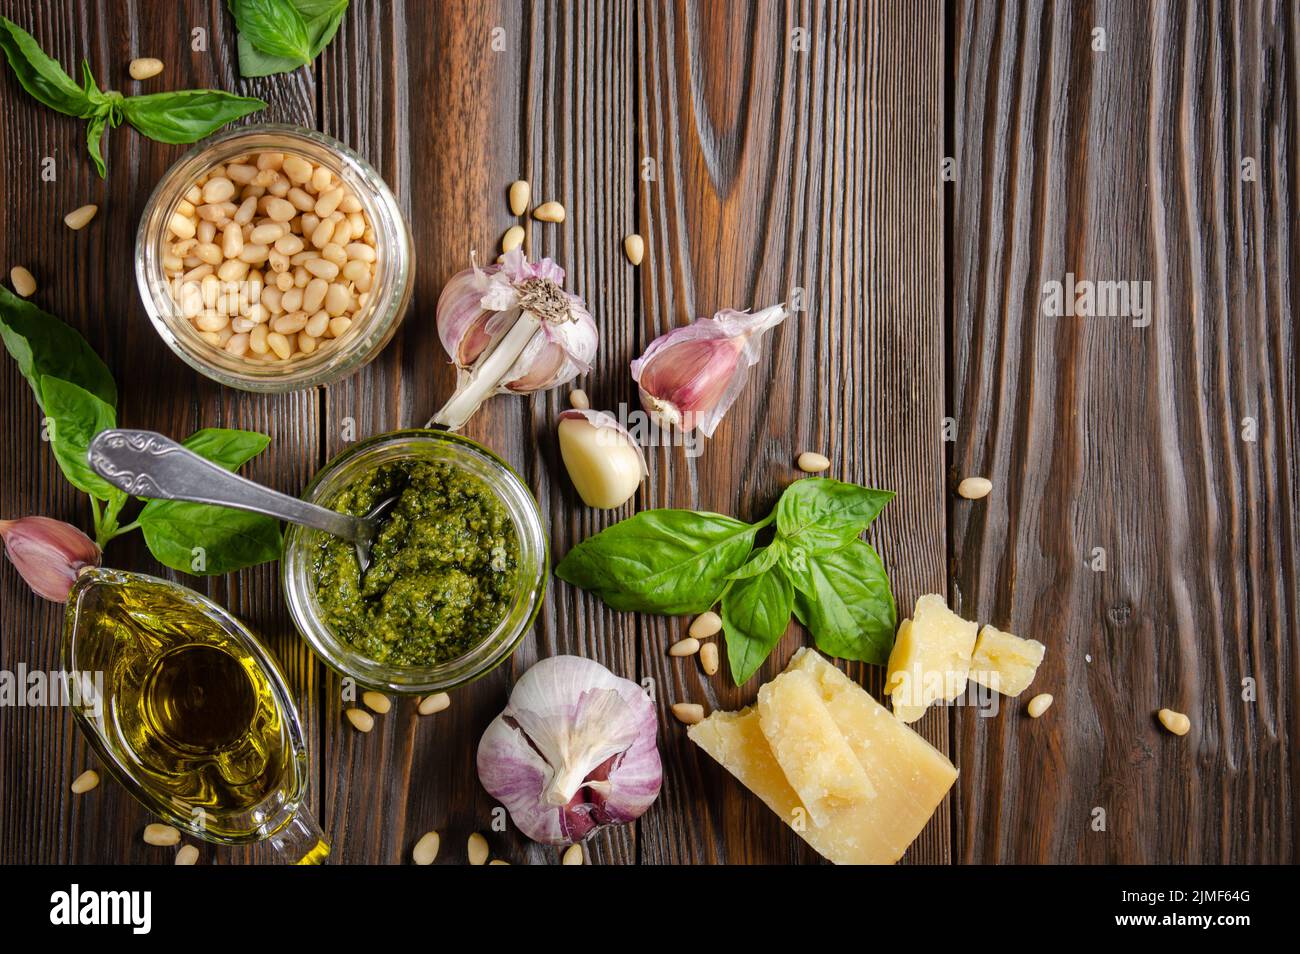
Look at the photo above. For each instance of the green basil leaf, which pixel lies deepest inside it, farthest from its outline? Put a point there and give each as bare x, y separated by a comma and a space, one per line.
755, 614
73, 417
186, 115
822, 513
41, 75
227, 447
844, 599
762, 560
43, 345
274, 27
207, 541
95, 133
660, 561
322, 18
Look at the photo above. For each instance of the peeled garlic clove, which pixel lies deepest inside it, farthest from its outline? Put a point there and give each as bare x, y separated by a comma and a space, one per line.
689, 377
48, 554
604, 462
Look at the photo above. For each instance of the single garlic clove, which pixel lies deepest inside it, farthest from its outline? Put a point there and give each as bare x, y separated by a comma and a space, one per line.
48, 554
604, 463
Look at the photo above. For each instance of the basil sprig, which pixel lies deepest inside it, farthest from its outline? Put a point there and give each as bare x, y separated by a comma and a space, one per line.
816, 568
278, 36
78, 398
183, 116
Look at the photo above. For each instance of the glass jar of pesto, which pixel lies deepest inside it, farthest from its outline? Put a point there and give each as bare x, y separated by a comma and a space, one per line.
456, 575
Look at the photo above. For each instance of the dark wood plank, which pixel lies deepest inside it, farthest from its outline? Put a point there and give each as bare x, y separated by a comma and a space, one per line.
1126, 165
795, 175
87, 278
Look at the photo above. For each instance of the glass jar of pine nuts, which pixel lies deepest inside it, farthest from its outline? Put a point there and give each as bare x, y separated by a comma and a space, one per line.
273, 258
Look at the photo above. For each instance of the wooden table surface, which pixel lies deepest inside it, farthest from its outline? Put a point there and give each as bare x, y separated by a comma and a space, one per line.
764, 165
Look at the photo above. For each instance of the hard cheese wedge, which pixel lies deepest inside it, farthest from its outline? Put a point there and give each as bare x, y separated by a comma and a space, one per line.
930, 659
906, 777
1005, 662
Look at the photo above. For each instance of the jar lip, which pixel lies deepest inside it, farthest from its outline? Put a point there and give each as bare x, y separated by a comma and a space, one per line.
391, 293
486, 654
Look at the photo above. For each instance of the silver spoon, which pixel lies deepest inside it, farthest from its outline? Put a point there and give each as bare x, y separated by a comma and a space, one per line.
147, 464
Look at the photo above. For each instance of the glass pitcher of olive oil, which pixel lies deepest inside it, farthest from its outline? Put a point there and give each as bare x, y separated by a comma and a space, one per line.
189, 712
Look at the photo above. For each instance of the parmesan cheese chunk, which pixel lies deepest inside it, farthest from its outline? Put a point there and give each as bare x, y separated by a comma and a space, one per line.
930, 659
1004, 662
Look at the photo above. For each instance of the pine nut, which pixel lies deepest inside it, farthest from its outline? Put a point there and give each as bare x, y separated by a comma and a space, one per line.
339, 326
278, 210
306, 343
513, 238
209, 254
237, 345
322, 268
434, 703
1039, 704
205, 233
321, 178
684, 647
270, 160
298, 169
79, 218
705, 625
377, 702
161, 835
360, 251
477, 849
181, 226
217, 190
810, 462
328, 202
549, 212
337, 300
321, 235
973, 488
634, 248
355, 271
24, 283
361, 720
426, 849
280, 345
519, 196
578, 398
498, 861
290, 324
232, 240
84, 782
316, 327
688, 713
266, 234
350, 205
144, 67
313, 296
572, 855
709, 659
188, 855
335, 254
247, 209
1175, 722
289, 245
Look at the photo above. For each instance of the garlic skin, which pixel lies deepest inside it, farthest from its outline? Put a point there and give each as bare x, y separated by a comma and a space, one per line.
690, 376
573, 752
605, 464
481, 315
48, 554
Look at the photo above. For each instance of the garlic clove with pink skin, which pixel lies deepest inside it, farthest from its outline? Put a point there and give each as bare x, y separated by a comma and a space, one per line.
604, 462
690, 376
574, 751
48, 554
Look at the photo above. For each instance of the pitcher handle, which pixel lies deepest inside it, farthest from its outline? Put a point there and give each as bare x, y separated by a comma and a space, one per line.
301, 841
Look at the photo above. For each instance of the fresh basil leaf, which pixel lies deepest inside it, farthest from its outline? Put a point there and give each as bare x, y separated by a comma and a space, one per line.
41, 75
207, 541
225, 446
755, 614
821, 513
322, 18
186, 115
273, 26
660, 561
45, 346
74, 416
843, 597
762, 560
95, 133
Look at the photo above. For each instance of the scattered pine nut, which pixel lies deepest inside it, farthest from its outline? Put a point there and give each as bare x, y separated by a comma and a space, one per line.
578, 398
434, 703
145, 67
1175, 722
477, 849
361, 720
705, 625
684, 647
513, 238
498, 861
810, 462
1039, 704
688, 713
85, 782
24, 283
79, 218
973, 488
377, 701
520, 193
709, 658
634, 248
549, 212
572, 856
188, 855
426, 849
161, 835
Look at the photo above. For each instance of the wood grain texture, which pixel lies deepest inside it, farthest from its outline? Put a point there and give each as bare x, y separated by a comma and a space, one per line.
1126, 164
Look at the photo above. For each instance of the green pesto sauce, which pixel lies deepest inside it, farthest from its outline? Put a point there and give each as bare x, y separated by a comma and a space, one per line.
442, 568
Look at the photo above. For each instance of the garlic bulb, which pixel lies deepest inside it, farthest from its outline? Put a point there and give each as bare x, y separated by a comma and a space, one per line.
690, 376
604, 462
511, 328
48, 554
573, 752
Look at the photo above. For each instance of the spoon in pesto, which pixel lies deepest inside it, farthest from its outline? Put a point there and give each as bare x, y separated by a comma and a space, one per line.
147, 464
